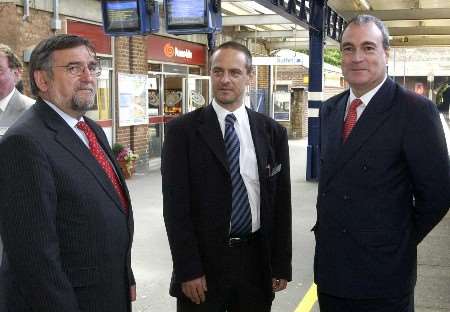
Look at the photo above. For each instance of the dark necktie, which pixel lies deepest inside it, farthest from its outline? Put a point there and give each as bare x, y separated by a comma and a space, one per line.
102, 159
241, 217
350, 120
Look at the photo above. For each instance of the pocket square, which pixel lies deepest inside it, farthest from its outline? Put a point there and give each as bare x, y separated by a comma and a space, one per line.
275, 170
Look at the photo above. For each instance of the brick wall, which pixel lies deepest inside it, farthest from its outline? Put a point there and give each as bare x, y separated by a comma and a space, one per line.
130, 57
298, 125
21, 35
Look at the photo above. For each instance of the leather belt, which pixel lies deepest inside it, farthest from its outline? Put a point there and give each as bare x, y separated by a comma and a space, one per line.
242, 241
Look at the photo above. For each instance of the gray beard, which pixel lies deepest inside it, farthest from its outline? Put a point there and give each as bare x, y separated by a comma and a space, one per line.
81, 105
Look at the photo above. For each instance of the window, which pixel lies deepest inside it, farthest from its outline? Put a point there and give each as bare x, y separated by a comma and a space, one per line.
102, 109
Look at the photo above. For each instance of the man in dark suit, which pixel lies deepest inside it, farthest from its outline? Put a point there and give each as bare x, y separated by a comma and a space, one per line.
227, 207
65, 215
384, 181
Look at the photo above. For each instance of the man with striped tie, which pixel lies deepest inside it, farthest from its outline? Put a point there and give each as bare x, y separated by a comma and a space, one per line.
227, 205
384, 181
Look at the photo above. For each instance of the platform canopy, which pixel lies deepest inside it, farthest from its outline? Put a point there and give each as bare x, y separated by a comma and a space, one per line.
410, 22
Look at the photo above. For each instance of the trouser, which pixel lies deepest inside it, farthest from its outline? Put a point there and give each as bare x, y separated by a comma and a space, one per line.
329, 303
243, 287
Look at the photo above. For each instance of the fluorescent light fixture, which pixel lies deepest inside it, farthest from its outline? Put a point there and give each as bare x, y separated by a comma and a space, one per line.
365, 4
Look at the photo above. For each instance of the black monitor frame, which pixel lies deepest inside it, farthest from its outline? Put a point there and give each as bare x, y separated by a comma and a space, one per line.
107, 21
171, 26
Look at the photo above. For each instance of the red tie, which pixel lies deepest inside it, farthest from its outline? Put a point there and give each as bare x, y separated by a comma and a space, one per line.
100, 156
350, 120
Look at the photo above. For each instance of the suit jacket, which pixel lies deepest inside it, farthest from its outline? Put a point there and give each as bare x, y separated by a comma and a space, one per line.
67, 240
16, 106
197, 197
380, 193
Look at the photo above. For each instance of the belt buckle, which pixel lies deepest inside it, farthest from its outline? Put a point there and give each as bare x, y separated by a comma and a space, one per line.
234, 241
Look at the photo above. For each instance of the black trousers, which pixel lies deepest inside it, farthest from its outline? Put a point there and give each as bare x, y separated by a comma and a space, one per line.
328, 303
242, 288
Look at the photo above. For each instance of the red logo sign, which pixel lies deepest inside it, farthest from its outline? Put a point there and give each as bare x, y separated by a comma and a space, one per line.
169, 50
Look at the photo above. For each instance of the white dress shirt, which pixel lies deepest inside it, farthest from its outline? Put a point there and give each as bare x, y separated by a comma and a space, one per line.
72, 122
4, 102
247, 157
365, 99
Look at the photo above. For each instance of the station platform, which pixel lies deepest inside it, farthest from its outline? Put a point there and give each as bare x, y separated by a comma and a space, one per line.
152, 262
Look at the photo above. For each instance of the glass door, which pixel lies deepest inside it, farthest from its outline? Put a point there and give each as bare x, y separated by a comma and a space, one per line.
197, 92
155, 115
173, 95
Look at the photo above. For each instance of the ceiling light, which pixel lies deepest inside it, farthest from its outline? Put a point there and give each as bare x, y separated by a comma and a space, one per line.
365, 4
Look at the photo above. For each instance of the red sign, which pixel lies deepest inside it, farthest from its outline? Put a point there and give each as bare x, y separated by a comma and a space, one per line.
175, 51
95, 33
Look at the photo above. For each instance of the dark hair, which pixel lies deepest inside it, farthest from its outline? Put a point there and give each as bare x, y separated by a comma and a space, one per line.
19, 86
238, 47
364, 19
41, 57
13, 61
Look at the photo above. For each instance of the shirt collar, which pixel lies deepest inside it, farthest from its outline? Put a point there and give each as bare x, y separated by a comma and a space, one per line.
367, 96
72, 122
4, 102
221, 112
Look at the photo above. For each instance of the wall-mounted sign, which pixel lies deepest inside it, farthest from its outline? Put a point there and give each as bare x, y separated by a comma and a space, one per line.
133, 99
95, 33
175, 51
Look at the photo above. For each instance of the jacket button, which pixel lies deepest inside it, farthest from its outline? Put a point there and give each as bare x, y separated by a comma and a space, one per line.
364, 168
344, 230
323, 194
346, 197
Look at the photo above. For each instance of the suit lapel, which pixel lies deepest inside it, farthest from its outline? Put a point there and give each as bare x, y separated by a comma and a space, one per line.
334, 126
68, 139
209, 129
372, 118
106, 148
14, 107
260, 141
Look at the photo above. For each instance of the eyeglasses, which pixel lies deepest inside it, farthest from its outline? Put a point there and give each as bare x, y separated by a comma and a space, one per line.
77, 69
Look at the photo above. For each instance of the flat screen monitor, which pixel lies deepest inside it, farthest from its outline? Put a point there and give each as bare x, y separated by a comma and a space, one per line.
121, 16
183, 14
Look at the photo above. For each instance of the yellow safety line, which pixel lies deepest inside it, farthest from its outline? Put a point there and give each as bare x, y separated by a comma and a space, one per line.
308, 300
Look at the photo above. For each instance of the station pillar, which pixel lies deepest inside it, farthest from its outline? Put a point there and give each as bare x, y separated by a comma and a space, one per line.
315, 89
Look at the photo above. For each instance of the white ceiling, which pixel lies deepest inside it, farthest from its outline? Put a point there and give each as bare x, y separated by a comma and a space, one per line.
410, 22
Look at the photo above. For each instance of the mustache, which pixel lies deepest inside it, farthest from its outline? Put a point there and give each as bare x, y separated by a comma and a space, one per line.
92, 89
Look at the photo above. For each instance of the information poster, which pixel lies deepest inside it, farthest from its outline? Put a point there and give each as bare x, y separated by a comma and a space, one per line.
282, 106
133, 99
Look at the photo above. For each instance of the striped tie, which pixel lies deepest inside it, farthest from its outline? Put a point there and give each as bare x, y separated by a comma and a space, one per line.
241, 217
351, 119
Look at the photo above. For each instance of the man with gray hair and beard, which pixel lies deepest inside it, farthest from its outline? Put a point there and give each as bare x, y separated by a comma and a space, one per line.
65, 215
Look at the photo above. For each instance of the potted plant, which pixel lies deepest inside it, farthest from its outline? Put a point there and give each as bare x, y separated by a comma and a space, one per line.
126, 159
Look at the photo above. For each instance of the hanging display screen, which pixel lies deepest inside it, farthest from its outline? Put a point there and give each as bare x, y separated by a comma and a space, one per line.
121, 16
182, 14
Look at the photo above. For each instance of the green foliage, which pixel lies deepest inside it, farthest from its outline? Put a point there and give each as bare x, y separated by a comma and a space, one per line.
330, 56
116, 148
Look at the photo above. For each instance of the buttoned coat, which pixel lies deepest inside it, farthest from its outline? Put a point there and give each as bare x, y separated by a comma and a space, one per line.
197, 197
380, 193
67, 239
